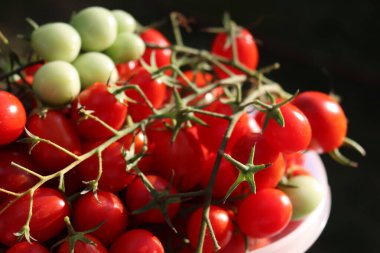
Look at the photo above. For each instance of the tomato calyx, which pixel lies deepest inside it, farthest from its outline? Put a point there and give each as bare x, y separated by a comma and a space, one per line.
246, 172
272, 111
75, 236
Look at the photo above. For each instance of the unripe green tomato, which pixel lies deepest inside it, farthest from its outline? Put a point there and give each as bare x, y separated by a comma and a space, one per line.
56, 83
56, 42
125, 21
95, 67
127, 47
97, 28
305, 196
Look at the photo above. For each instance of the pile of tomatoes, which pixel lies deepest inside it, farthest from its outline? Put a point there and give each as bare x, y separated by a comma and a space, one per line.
114, 139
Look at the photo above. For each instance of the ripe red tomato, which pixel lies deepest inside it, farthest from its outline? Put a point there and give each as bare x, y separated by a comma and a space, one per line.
221, 223
49, 209
295, 136
327, 119
264, 154
183, 160
98, 99
26, 247
211, 135
137, 241
114, 175
138, 141
247, 51
12, 178
154, 90
236, 245
12, 117
201, 80
162, 56
55, 127
88, 213
138, 196
264, 214
82, 247
126, 70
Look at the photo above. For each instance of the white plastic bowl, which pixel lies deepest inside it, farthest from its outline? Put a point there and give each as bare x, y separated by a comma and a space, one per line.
299, 236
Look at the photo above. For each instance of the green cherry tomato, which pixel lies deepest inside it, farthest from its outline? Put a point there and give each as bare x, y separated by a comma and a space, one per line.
56, 41
56, 83
97, 28
125, 21
127, 47
95, 67
305, 193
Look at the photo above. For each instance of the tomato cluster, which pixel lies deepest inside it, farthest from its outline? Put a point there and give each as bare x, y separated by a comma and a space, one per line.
131, 144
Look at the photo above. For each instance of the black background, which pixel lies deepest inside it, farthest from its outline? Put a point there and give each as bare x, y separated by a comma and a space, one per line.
321, 45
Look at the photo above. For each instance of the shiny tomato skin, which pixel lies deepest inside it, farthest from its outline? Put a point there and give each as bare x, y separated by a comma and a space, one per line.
221, 223
264, 214
126, 70
162, 56
137, 241
154, 90
82, 247
137, 196
294, 137
247, 51
12, 117
114, 175
182, 160
49, 209
12, 178
53, 126
98, 99
26, 247
89, 213
327, 119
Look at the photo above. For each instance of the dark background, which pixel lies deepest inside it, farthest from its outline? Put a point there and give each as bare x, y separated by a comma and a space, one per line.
321, 45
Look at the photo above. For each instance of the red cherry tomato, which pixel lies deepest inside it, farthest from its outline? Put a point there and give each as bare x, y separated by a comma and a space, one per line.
88, 212
265, 213
126, 70
12, 178
211, 135
137, 241
295, 136
264, 154
221, 223
182, 160
49, 209
138, 141
138, 196
114, 175
161, 56
236, 245
327, 119
83, 247
154, 90
201, 80
26, 247
12, 117
55, 127
31, 71
247, 51
98, 99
